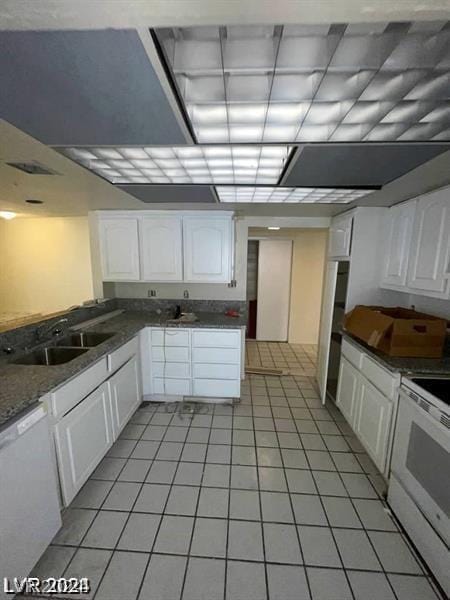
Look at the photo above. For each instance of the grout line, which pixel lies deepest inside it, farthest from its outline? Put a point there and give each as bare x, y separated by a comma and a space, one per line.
308, 583
164, 507
188, 561
263, 539
130, 512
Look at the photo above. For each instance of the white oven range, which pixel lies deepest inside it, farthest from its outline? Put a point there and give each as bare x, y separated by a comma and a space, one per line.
419, 487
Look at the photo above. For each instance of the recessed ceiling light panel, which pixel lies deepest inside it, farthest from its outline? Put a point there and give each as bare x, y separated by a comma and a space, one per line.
290, 195
181, 164
289, 84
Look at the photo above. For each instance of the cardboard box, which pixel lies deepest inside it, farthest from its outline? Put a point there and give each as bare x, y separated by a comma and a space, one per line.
398, 331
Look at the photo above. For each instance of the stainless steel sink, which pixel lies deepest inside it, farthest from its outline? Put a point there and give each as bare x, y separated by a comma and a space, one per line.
84, 339
50, 356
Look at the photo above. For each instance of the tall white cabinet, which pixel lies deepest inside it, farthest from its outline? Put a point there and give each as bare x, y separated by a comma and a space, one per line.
164, 246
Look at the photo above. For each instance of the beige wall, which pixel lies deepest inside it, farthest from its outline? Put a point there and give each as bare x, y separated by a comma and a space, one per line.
308, 261
45, 264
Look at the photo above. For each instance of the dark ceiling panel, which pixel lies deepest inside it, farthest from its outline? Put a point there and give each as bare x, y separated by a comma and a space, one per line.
357, 164
84, 88
154, 194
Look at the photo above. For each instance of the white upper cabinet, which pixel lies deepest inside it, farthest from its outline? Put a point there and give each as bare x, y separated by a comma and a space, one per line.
207, 249
164, 246
429, 267
340, 240
161, 248
119, 248
417, 246
399, 228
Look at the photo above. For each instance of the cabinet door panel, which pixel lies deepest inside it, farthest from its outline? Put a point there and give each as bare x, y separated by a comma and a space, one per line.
119, 249
161, 248
207, 249
399, 226
341, 236
83, 437
348, 391
428, 271
373, 423
125, 395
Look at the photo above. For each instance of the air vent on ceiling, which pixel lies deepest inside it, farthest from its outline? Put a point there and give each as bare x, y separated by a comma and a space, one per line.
32, 168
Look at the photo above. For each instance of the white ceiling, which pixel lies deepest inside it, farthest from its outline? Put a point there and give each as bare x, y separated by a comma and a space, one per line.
76, 190
92, 14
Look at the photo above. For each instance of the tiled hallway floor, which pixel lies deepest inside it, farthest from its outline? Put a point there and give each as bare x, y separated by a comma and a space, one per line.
297, 359
270, 499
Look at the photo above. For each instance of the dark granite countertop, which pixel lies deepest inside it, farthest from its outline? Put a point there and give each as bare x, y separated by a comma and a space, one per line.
405, 366
21, 386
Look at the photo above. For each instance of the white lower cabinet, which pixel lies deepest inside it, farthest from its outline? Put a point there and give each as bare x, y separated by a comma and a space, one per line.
89, 412
125, 394
348, 388
373, 422
195, 362
83, 436
367, 397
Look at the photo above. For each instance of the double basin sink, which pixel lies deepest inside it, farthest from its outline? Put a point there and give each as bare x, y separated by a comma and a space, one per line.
64, 349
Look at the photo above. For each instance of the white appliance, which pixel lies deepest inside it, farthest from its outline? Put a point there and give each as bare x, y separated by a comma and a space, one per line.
419, 488
29, 506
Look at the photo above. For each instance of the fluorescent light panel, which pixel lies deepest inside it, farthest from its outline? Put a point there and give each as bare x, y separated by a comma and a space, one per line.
303, 195
365, 82
185, 164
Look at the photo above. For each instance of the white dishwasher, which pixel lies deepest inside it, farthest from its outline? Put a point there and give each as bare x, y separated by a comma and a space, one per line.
29, 506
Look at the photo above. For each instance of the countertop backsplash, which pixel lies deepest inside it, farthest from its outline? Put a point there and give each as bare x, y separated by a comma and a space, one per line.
187, 305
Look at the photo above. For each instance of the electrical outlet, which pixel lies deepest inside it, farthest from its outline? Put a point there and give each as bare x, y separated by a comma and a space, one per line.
151, 293
186, 294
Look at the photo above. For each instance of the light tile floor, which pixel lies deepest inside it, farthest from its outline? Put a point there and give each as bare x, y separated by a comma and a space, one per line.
273, 498
297, 359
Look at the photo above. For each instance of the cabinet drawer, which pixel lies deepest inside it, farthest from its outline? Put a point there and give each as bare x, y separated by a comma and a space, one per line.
122, 355
216, 355
69, 395
211, 371
179, 387
170, 354
171, 369
383, 380
216, 388
209, 338
170, 337
351, 353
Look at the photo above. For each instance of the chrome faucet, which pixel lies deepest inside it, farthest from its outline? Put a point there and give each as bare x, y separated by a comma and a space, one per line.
53, 328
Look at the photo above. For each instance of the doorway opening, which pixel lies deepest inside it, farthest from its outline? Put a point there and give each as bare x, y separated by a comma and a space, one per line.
284, 284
